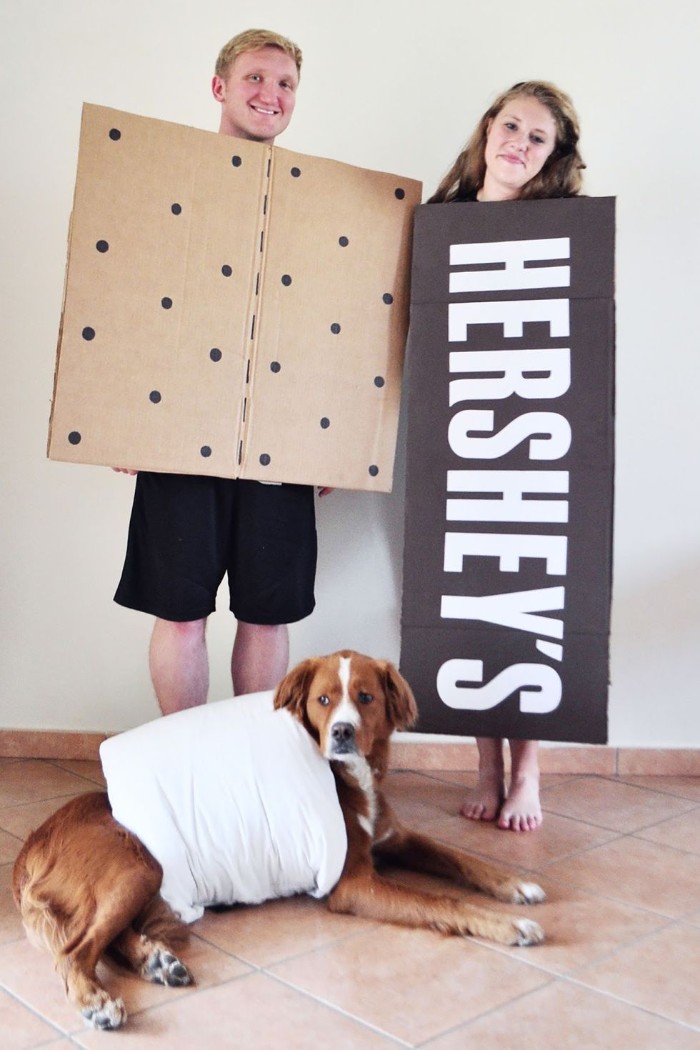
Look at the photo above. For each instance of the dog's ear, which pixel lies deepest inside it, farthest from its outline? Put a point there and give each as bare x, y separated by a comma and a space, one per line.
294, 687
401, 703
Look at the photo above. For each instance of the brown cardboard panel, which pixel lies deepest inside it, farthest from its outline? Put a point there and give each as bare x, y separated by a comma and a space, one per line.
332, 324
158, 211
175, 310
509, 496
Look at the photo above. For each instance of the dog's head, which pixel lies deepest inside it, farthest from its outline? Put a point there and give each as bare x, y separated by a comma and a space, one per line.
349, 703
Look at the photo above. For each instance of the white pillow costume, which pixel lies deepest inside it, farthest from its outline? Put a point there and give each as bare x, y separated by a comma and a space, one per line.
234, 800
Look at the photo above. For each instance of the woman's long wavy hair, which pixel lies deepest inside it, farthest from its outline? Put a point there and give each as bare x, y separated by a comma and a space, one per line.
561, 173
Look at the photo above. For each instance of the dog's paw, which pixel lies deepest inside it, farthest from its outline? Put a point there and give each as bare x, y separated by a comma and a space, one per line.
104, 1013
165, 968
528, 893
527, 933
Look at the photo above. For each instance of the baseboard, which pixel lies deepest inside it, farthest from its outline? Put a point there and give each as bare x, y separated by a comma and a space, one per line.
422, 755
35, 743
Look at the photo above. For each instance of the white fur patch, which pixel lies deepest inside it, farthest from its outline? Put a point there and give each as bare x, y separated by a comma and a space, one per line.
530, 893
346, 710
359, 766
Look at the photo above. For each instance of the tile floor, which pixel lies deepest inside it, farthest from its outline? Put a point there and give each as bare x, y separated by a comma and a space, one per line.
619, 858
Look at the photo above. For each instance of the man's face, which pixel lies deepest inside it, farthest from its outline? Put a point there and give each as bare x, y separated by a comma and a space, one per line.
257, 95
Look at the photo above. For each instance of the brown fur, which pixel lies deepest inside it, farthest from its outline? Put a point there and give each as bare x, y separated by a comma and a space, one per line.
85, 886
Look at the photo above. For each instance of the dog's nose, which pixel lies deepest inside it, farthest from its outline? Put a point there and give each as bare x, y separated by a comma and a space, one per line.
343, 732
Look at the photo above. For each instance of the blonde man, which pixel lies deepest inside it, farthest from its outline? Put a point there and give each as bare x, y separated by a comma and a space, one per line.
187, 532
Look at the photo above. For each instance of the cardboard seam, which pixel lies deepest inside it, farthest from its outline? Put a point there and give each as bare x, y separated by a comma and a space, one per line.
254, 311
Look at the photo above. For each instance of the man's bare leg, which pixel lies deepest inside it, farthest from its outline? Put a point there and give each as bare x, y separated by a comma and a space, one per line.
484, 802
260, 657
179, 664
521, 810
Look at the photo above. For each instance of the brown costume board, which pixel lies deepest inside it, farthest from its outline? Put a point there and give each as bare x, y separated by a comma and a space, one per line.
508, 550
230, 308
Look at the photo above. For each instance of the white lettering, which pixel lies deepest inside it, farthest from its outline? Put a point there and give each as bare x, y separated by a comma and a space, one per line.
527, 373
514, 610
540, 686
511, 314
513, 255
509, 548
511, 486
552, 442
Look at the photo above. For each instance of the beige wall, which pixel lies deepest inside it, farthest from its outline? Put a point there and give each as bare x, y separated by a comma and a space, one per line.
383, 87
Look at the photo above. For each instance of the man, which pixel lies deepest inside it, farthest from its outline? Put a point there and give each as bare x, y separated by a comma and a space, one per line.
187, 531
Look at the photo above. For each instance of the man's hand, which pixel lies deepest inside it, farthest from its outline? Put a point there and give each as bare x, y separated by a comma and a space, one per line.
324, 490
124, 470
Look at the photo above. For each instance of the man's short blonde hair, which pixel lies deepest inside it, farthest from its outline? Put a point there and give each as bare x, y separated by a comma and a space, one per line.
253, 40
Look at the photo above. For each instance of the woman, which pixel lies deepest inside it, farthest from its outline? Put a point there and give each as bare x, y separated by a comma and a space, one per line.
525, 147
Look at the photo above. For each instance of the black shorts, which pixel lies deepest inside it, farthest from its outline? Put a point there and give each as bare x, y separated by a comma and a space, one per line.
187, 532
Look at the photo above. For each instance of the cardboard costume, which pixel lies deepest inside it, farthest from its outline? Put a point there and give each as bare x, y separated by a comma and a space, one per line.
508, 549
231, 309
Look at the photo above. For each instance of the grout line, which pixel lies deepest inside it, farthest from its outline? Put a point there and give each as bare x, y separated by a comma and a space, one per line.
395, 1039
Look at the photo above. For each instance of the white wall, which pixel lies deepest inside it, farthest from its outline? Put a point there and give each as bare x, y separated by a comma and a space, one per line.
393, 86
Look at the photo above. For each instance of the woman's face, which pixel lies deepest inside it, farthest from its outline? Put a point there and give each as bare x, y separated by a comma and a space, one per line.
518, 141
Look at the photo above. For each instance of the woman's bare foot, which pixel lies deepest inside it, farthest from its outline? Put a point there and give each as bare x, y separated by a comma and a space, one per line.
486, 799
521, 810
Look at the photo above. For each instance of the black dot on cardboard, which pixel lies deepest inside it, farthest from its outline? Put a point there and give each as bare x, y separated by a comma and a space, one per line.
295, 173
379, 381
115, 134
176, 208
88, 333
374, 470
335, 328
236, 161
343, 242
286, 280
205, 451
166, 303
399, 194
265, 459
154, 396
102, 246
275, 366
215, 354
226, 270
74, 437
325, 423
387, 298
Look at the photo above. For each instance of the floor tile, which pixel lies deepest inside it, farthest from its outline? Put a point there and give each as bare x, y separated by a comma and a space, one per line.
610, 804
10, 845
567, 1017
20, 819
10, 925
268, 933
682, 832
28, 973
580, 927
254, 1011
21, 1028
35, 779
410, 984
84, 768
618, 858
418, 798
682, 787
558, 837
659, 974
644, 874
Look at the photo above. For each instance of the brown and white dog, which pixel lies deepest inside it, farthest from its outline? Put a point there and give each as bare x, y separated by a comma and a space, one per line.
86, 886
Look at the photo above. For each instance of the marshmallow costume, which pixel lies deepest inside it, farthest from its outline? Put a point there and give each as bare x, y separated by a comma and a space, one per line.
234, 800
